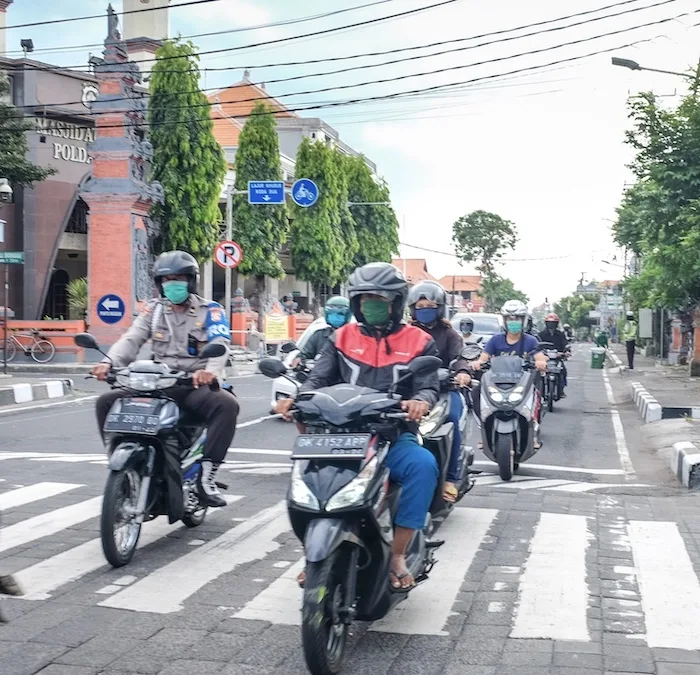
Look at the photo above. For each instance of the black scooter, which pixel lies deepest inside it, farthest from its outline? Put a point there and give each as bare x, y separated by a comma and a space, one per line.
342, 506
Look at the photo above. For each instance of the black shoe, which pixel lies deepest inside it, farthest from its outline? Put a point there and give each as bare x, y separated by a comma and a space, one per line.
209, 494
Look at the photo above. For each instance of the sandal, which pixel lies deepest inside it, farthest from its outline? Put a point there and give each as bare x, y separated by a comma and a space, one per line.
399, 577
537, 445
301, 579
450, 493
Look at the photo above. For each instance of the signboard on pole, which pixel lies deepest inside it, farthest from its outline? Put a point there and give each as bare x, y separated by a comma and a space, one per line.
266, 192
12, 257
276, 327
470, 306
111, 308
304, 192
228, 254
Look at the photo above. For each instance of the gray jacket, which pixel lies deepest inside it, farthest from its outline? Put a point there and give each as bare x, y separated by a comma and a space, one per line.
169, 331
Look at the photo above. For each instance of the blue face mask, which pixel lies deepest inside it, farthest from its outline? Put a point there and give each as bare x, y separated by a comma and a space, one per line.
336, 319
427, 315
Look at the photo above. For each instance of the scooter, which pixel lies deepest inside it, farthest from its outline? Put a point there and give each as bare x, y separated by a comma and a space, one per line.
553, 380
342, 506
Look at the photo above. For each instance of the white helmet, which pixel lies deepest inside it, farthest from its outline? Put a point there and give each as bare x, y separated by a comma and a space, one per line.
514, 308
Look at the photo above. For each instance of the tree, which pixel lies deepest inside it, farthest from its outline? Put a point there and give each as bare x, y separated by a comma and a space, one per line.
483, 238
187, 160
376, 225
78, 299
575, 309
321, 250
261, 230
13, 144
496, 291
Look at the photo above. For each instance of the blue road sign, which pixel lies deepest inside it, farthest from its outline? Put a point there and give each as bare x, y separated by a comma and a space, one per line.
305, 192
265, 192
110, 308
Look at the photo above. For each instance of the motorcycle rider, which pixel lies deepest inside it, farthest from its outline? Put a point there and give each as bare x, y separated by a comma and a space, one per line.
336, 314
552, 334
514, 342
466, 328
426, 302
179, 324
568, 331
368, 354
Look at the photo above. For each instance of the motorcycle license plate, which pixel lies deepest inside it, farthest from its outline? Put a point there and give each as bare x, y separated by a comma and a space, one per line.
136, 416
331, 446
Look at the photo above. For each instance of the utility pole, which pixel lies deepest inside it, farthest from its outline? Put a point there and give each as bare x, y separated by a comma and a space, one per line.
229, 236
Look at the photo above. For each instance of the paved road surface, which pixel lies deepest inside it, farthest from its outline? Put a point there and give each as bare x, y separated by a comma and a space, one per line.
587, 563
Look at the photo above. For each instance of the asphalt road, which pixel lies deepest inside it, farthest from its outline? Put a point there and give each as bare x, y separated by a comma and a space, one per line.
586, 563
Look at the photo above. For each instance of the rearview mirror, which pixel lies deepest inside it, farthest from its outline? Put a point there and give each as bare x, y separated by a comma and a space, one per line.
288, 347
212, 350
481, 338
86, 341
272, 368
423, 365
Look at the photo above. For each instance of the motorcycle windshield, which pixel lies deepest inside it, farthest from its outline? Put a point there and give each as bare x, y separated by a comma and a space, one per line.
342, 404
506, 370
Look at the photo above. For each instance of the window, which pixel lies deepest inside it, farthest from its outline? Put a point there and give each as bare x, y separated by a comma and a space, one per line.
57, 298
78, 223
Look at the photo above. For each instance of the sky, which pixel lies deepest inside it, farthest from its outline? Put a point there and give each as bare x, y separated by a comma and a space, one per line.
542, 147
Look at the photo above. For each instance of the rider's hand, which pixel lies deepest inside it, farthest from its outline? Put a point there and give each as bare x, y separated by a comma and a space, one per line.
475, 365
416, 409
463, 379
541, 366
202, 377
283, 407
101, 370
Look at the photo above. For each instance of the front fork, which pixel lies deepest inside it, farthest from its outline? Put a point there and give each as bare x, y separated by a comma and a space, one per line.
139, 513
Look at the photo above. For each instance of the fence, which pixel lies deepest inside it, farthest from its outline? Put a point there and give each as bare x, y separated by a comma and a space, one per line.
60, 333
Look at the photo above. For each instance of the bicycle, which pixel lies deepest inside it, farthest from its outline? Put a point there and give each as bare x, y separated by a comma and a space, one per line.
40, 349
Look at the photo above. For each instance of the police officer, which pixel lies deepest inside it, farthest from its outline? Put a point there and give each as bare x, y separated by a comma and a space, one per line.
179, 324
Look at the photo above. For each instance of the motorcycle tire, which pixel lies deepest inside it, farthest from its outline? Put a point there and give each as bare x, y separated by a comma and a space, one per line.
550, 399
323, 634
505, 455
111, 506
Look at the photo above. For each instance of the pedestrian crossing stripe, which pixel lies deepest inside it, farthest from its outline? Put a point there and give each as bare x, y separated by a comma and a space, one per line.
655, 585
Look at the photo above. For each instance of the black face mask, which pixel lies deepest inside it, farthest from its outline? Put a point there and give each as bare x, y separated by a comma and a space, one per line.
551, 327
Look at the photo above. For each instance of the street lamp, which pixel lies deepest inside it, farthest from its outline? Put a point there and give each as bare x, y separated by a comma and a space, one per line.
633, 65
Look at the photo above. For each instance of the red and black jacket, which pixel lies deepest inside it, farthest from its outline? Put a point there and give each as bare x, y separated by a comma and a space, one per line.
360, 355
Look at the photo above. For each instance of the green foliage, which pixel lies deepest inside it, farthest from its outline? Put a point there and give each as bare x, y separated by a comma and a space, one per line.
260, 230
659, 217
322, 250
483, 238
77, 290
574, 310
376, 225
187, 159
496, 291
13, 144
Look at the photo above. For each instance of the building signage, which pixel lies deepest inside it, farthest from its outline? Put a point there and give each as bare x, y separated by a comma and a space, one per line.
67, 131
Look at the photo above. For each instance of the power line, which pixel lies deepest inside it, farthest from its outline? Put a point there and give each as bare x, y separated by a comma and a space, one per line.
398, 78
101, 16
245, 29
505, 260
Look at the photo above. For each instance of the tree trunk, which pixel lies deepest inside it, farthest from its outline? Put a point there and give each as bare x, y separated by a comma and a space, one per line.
259, 301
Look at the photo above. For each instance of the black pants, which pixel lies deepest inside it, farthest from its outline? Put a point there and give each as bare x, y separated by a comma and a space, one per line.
630, 353
219, 409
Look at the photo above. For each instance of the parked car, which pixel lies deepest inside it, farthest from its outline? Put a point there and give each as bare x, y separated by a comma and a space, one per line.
485, 325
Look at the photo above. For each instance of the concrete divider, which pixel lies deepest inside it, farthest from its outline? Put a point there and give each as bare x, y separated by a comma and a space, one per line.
26, 392
685, 464
649, 408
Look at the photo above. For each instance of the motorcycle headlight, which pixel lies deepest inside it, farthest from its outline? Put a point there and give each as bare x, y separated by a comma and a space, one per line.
354, 492
516, 395
429, 423
300, 493
139, 381
495, 395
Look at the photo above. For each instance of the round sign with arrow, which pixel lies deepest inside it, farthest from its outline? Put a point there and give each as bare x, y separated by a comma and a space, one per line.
110, 308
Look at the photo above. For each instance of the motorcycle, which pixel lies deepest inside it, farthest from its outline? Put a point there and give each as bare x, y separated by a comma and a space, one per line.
510, 410
342, 506
287, 387
154, 451
552, 386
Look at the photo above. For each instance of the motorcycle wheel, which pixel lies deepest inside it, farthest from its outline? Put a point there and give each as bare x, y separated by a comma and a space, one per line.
505, 455
323, 634
122, 489
550, 398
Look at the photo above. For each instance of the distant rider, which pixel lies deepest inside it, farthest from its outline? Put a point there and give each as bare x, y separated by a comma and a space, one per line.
179, 324
336, 314
552, 334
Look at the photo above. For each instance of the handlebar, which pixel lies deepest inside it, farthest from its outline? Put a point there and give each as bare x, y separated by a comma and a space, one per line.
184, 379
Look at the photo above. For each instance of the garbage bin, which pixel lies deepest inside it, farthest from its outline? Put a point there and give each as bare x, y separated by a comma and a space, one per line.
597, 358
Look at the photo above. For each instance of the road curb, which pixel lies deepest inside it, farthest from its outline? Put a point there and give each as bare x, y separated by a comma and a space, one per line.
25, 392
614, 360
685, 464
649, 408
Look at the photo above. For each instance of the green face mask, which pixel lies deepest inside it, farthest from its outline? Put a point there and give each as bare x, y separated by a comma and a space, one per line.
376, 312
514, 326
176, 291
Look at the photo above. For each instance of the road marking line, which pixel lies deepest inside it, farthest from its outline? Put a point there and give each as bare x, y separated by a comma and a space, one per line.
565, 469
33, 493
588, 487
669, 587
165, 590
622, 451
258, 420
48, 523
429, 607
254, 451
553, 595
535, 485
42, 579
16, 409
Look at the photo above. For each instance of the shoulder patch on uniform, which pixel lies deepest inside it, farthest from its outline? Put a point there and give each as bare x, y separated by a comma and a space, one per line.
217, 322
149, 306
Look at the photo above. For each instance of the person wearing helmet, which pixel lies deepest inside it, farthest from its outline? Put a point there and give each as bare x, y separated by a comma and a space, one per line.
466, 328
179, 323
552, 334
629, 335
426, 303
336, 314
369, 353
568, 331
530, 328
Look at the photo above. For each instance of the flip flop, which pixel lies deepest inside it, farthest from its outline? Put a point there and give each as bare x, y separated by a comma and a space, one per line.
450, 494
537, 445
399, 577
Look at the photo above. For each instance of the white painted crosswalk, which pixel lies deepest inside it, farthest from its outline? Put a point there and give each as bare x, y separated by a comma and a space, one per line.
548, 587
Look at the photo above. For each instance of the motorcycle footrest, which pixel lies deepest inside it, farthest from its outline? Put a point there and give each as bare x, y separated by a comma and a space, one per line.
221, 486
437, 543
474, 472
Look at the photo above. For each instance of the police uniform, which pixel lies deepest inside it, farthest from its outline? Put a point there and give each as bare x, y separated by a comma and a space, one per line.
177, 338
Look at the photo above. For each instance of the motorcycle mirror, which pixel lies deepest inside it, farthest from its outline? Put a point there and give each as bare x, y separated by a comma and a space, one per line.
288, 347
86, 341
481, 338
212, 350
423, 365
272, 368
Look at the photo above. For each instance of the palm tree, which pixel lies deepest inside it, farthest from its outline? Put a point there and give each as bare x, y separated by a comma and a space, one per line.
78, 297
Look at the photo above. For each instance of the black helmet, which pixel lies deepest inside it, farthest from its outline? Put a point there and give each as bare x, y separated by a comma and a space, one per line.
176, 262
466, 326
378, 278
427, 290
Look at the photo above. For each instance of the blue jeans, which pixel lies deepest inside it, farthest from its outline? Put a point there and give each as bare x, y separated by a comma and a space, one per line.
416, 469
456, 407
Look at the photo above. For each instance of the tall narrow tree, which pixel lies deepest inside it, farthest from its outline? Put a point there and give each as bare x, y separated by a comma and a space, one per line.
261, 230
187, 159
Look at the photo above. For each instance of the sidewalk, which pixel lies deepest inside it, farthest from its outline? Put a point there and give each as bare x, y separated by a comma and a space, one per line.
14, 391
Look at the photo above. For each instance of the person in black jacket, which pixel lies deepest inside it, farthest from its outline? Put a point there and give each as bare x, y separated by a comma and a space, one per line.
369, 354
426, 302
336, 314
557, 337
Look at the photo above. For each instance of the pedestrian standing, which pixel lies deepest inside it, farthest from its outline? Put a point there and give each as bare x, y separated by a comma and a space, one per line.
629, 335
